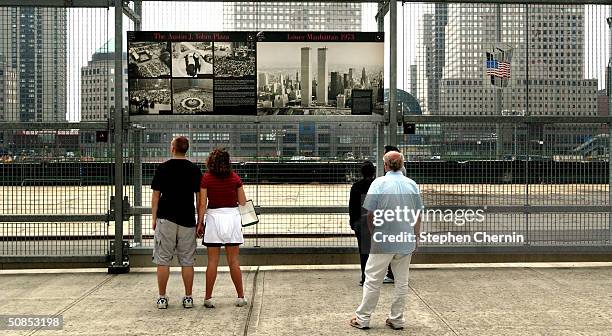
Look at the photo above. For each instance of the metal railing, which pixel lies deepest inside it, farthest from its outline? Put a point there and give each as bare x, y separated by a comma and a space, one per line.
533, 155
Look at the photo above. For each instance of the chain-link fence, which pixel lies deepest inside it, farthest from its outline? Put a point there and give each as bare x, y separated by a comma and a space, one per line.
472, 81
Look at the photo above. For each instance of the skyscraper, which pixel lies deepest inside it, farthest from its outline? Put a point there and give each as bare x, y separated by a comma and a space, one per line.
335, 85
413, 80
9, 109
98, 86
263, 80
432, 58
272, 15
556, 64
549, 40
305, 77
34, 47
322, 76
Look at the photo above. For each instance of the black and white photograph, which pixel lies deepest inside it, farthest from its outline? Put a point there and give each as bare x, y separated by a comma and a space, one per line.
149, 59
316, 78
234, 59
192, 59
150, 96
192, 96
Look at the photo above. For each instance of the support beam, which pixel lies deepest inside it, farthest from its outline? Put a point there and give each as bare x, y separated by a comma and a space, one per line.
392, 74
54, 218
258, 119
383, 9
137, 133
119, 265
380, 126
111, 3
419, 119
131, 15
138, 11
37, 126
58, 3
489, 209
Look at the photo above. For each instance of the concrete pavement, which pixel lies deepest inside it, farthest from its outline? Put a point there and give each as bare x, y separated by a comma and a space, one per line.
471, 299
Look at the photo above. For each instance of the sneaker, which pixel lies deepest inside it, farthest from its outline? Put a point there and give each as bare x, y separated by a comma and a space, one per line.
393, 325
241, 302
361, 283
388, 280
162, 303
187, 302
208, 303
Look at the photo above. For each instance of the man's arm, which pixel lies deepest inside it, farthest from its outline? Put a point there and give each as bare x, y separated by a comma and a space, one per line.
154, 204
198, 201
417, 229
202, 202
371, 222
354, 207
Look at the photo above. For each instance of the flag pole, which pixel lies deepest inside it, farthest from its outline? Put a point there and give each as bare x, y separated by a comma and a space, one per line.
498, 39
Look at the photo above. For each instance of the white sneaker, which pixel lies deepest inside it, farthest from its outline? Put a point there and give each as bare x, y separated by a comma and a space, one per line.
241, 302
388, 280
162, 302
187, 302
209, 303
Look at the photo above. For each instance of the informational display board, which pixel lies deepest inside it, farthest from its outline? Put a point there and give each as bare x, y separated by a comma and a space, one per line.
254, 73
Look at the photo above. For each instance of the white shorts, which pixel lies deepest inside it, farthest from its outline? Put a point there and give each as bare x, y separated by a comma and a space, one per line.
223, 227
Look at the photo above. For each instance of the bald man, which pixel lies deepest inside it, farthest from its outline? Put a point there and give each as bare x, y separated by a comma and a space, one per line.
386, 195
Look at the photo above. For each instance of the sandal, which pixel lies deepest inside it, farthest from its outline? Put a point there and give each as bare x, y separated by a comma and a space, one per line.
393, 326
355, 324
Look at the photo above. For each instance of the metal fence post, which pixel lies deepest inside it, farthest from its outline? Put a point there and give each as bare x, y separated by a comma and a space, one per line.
393, 73
120, 263
137, 170
380, 17
380, 127
609, 170
257, 179
528, 126
380, 143
138, 11
499, 128
609, 87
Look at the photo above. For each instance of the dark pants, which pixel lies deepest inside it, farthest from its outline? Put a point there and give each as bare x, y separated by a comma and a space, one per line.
363, 251
363, 242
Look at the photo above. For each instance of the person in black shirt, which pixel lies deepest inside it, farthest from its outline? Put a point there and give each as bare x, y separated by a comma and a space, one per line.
357, 216
173, 211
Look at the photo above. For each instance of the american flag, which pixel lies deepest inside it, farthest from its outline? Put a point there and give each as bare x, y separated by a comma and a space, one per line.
504, 69
497, 68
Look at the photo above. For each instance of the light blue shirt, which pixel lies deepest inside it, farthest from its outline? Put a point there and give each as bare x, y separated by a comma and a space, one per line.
389, 192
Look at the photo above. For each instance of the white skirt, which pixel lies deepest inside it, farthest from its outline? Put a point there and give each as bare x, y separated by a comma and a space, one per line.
223, 226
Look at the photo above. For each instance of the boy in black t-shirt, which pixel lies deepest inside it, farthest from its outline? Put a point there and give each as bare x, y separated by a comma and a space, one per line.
173, 211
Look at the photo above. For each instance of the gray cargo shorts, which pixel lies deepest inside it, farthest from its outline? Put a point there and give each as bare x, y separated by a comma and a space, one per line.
170, 239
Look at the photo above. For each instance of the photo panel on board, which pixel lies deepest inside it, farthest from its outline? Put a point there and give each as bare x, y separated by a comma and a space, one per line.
192, 96
234, 59
149, 59
149, 96
297, 74
192, 59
